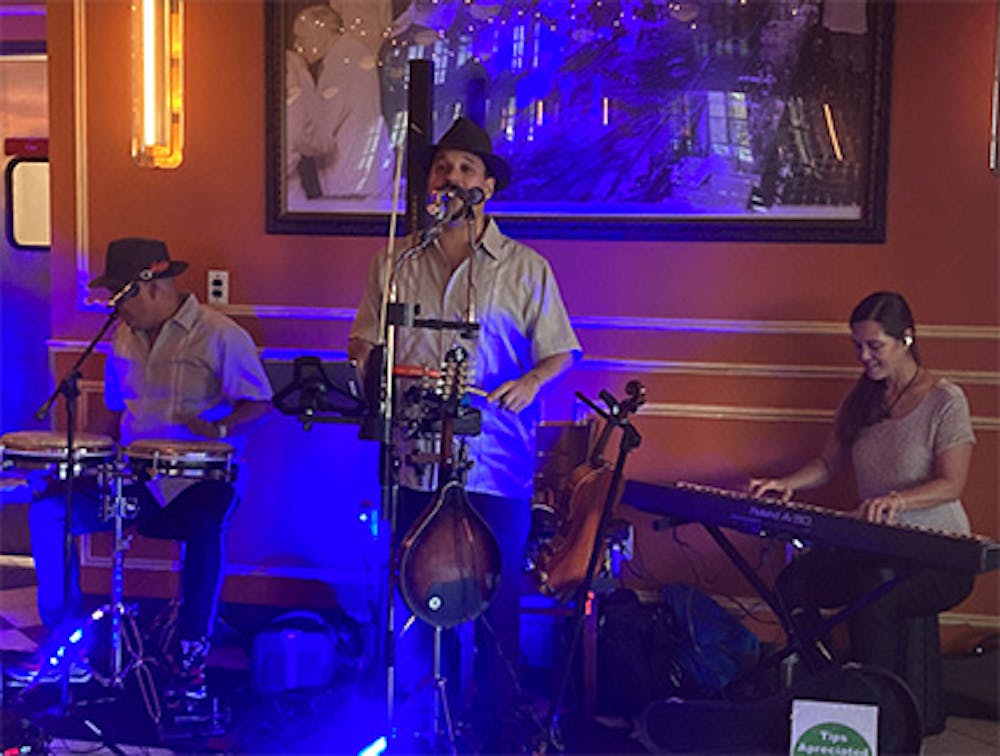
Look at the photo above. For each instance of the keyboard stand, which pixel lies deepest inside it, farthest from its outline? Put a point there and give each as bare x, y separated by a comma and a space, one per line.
810, 647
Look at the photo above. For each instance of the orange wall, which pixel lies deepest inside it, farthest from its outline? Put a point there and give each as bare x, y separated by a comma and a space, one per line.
783, 303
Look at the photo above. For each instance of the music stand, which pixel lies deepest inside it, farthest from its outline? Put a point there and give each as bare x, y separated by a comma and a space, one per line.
316, 391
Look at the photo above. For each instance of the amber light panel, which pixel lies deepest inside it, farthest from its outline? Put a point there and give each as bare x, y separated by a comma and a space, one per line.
158, 83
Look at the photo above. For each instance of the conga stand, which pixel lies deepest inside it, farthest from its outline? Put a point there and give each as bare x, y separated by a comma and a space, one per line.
69, 389
630, 440
121, 508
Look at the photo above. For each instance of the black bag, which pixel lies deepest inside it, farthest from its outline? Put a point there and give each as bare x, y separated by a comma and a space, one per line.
708, 646
762, 726
686, 645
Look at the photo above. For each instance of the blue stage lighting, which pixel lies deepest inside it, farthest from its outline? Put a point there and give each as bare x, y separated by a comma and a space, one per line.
373, 749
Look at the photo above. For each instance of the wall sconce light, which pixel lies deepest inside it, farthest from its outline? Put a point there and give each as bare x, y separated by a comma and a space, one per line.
158, 82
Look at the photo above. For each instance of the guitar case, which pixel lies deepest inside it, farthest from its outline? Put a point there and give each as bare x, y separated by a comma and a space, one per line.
763, 726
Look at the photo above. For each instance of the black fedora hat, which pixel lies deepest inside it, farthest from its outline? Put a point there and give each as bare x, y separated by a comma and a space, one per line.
136, 259
468, 136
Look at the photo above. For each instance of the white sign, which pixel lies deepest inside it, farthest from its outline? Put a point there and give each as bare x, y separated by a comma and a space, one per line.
827, 728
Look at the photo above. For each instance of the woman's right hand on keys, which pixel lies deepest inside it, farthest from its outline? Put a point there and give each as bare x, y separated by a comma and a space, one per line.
775, 487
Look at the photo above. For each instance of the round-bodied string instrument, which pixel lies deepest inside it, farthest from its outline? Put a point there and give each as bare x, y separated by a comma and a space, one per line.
159, 457
42, 450
449, 560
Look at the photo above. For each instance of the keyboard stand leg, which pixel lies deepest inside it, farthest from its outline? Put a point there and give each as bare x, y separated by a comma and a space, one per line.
809, 645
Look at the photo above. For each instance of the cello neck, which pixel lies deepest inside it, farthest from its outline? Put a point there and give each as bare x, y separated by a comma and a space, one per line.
596, 457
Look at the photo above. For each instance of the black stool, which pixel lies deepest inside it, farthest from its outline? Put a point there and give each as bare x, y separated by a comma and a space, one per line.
922, 671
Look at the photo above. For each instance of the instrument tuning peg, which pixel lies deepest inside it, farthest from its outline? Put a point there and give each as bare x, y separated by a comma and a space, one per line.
608, 398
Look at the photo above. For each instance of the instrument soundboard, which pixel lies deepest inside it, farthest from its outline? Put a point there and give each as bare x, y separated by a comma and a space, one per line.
692, 502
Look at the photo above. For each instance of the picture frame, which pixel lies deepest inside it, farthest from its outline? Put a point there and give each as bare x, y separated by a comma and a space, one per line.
759, 120
994, 159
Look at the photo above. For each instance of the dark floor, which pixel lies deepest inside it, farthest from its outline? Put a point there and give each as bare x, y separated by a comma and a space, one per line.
265, 700
314, 701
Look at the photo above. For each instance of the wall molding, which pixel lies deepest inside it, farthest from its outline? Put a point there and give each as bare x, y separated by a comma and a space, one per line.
681, 410
764, 370
598, 322
622, 364
661, 325
987, 423
781, 327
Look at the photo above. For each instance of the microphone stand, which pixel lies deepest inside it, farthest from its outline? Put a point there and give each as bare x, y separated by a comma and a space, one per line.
69, 389
392, 314
395, 314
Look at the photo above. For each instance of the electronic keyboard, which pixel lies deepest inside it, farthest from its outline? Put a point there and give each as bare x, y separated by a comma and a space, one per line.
692, 502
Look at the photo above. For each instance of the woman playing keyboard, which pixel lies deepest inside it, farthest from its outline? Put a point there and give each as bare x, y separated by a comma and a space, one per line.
908, 434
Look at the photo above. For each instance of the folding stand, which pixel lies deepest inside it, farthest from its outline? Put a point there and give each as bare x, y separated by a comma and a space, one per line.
617, 416
318, 392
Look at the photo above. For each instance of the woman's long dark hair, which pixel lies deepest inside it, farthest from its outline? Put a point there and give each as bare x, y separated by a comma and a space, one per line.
866, 404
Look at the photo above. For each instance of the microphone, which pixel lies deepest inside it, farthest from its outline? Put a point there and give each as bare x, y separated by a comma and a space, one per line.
471, 196
437, 208
127, 291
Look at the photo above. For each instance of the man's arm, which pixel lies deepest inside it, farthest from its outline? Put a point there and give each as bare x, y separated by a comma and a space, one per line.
358, 350
518, 394
110, 424
245, 413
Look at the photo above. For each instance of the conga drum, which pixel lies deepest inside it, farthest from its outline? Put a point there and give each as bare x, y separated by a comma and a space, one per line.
42, 450
152, 458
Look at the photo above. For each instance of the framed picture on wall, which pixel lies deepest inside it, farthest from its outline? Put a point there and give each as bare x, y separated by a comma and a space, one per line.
755, 120
995, 116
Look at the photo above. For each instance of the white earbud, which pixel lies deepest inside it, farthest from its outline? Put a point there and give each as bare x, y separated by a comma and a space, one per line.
908, 341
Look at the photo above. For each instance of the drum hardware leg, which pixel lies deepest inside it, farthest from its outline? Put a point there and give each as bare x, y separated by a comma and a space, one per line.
122, 508
442, 722
125, 635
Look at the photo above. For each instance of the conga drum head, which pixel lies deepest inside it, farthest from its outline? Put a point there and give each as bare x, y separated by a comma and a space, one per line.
43, 449
156, 457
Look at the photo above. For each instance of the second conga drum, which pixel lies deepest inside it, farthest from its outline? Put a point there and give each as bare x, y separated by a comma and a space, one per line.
205, 460
47, 451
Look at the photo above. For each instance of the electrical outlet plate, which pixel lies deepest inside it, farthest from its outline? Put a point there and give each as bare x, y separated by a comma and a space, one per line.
218, 287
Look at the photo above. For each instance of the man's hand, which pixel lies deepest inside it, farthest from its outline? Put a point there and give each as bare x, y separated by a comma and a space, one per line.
204, 428
516, 395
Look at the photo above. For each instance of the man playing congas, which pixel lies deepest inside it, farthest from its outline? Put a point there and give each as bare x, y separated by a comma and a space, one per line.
182, 382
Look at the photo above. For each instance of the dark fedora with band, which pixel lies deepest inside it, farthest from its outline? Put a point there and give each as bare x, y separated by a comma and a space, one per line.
136, 259
468, 136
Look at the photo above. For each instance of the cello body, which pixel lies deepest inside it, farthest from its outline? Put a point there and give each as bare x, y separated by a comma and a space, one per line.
561, 564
